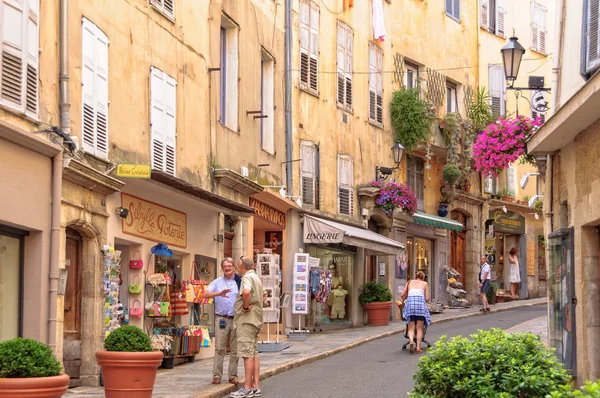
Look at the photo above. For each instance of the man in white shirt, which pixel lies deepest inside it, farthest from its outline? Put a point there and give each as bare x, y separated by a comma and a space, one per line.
485, 276
225, 291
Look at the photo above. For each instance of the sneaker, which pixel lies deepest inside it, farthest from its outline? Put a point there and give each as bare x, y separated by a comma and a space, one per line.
242, 393
256, 392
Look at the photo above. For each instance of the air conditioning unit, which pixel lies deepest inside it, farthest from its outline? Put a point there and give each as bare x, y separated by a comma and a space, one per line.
536, 81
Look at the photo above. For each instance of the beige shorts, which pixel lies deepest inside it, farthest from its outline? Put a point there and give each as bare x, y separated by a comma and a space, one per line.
247, 340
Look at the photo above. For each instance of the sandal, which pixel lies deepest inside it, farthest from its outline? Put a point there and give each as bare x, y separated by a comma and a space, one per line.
216, 380
233, 380
419, 351
411, 347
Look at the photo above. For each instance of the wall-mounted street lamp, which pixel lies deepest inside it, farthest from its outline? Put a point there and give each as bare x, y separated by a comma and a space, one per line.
381, 173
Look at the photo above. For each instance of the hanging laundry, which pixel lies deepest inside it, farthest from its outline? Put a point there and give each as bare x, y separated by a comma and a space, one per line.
378, 24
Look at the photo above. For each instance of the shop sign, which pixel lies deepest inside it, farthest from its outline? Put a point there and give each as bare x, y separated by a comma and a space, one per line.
318, 232
134, 170
268, 213
508, 223
154, 222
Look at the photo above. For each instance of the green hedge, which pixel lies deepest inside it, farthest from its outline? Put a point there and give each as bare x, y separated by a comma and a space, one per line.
23, 358
128, 339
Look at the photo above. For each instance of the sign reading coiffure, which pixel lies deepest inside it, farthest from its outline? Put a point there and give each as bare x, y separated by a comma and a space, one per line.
154, 222
318, 232
508, 223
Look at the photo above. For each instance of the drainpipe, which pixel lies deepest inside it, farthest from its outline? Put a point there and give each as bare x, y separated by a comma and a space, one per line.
558, 56
288, 95
57, 166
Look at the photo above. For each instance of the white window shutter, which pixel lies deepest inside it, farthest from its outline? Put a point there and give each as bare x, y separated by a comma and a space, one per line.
314, 47
497, 89
170, 124
307, 165
167, 7
341, 64
304, 43
31, 89
484, 13
541, 23
379, 85
500, 18
101, 93
157, 123
345, 185
349, 67
372, 83
510, 179
592, 36
14, 32
456, 9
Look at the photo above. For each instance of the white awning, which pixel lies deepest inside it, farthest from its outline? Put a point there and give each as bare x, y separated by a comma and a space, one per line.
318, 230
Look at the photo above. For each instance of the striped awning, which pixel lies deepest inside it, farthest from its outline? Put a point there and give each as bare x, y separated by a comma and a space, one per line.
435, 221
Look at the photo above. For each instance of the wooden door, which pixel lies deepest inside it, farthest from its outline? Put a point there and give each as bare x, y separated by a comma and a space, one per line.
72, 307
371, 268
228, 244
458, 254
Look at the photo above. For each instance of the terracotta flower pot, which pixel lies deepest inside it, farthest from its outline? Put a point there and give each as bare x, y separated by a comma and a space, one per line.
378, 313
129, 374
34, 387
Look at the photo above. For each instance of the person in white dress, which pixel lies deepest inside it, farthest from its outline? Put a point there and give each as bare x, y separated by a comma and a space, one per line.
514, 277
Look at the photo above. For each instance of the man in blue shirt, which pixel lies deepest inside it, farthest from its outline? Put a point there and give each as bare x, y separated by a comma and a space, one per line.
225, 290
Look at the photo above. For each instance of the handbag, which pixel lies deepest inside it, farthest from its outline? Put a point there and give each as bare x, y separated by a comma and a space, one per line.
404, 294
136, 311
194, 288
135, 288
136, 263
177, 297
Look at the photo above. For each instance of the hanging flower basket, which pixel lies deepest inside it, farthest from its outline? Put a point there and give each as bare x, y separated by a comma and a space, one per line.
394, 194
502, 143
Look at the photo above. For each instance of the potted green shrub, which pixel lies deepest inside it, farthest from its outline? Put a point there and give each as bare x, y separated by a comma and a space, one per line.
28, 369
128, 363
506, 195
491, 293
451, 173
376, 298
491, 363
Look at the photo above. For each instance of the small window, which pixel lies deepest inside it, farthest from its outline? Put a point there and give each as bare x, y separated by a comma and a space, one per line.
453, 9
497, 84
345, 185
490, 185
163, 121
228, 75
267, 95
309, 169
591, 48
345, 36
451, 97
538, 28
510, 179
493, 15
375, 85
165, 7
309, 46
411, 76
415, 177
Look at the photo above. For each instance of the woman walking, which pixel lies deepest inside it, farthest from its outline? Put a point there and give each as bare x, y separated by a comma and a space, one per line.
416, 311
514, 276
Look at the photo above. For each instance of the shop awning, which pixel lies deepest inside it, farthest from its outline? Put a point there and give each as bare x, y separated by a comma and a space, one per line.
318, 230
435, 221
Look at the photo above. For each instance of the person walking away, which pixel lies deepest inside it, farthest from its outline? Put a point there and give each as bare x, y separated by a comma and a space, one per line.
416, 311
248, 319
225, 291
514, 276
484, 283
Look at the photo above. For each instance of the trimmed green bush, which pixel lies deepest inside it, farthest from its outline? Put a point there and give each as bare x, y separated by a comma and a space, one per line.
24, 358
128, 339
451, 173
490, 364
374, 292
590, 390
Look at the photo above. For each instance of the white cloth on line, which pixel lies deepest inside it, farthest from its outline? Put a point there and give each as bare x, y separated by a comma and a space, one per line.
378, 24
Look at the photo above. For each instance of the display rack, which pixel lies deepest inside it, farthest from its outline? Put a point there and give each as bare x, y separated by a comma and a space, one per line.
112, 308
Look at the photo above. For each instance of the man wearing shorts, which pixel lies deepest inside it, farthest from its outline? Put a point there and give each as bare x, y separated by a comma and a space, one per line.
484, 283
248, 319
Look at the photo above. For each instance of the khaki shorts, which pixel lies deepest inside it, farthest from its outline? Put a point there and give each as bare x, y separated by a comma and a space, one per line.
247, 340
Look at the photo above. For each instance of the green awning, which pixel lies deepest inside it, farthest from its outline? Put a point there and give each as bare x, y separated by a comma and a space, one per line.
435, 221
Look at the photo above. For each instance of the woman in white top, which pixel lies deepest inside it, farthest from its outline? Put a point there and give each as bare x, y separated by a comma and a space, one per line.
416, 311
514, 276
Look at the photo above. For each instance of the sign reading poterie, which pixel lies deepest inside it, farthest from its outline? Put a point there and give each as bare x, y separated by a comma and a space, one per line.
154, 222
508, 223
268, 213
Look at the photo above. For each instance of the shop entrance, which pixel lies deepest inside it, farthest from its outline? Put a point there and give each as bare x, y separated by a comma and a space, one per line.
11, 280
457, 247
420, 258
72, 306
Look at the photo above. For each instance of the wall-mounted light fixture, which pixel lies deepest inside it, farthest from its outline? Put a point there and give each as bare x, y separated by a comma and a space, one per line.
122, 212
533, 199
525, 179
381, 173
537, 216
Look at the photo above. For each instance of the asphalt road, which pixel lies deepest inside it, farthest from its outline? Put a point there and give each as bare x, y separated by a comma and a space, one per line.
379, 368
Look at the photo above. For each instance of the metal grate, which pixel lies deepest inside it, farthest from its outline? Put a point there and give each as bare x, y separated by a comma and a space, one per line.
435, 92
399, 70
468, 100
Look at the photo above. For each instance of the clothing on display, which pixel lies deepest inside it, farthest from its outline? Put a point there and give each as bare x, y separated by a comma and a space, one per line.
324, 286
315, 280
338, 309
112, 306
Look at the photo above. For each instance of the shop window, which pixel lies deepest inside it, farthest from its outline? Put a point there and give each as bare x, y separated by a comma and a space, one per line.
11, 272
420, 258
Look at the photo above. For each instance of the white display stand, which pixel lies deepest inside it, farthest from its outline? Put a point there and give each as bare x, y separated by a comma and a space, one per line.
301, 292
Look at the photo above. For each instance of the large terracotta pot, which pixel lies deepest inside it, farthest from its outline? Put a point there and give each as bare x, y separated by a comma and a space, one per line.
34, 387
378, 313
129, 374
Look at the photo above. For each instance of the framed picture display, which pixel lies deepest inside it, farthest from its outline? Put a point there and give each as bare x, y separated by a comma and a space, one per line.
300, 293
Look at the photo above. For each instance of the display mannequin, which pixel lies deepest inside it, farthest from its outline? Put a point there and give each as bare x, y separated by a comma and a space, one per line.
336, 280
338, 309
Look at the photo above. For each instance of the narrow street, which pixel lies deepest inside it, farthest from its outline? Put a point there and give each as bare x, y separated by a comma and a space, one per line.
380, 366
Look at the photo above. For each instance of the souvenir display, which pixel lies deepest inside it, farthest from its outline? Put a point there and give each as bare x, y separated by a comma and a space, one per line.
112, 306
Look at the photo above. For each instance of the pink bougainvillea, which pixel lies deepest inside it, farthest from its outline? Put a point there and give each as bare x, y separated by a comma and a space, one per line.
502, 143
394, 194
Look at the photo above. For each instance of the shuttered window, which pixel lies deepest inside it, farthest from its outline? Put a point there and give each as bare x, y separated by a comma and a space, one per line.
309, 170
375, 85
591, 59
538, 28
411, 76
497, 90
490, 185
166, 7
309, 46
510, 179
163, 121
415, 177
453, 9
492, 14
345, 36
451, 97
20, 55
345, 185
94, 90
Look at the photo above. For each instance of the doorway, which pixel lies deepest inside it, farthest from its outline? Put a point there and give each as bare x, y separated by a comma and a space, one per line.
72, 305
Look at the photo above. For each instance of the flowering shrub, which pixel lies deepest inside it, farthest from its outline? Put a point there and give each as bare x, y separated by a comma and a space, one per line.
501, 143
394, 194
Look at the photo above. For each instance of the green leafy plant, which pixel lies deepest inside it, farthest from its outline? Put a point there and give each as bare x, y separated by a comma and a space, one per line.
538, 204
491, 293
128, 339
506, 193
451, 173
590, 390
526, 198
24, 358
479, 110
411, 118
374, 292
490, 364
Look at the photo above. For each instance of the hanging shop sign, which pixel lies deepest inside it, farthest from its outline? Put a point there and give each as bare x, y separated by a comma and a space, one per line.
268, 213
508, 223
134, 170
154, 222
318, 232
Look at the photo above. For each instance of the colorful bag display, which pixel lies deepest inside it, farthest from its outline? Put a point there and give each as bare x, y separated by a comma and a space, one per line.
178, 301
136, 311
164, 308
194, 288
135, 288
196, 330
136, 263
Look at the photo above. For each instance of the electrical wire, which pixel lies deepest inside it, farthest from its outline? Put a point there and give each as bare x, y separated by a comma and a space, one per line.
329, 9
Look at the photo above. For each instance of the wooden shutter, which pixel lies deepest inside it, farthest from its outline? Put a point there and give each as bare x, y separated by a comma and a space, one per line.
307, 171
497, 87
592, 60
345, 185
510, 179
456, 9
94, 79
372, 84
538, 28
20, 61
304, 44
415, 177
379, 83
500, 18
167, 7
314, 47
484, 13
163, 121
344, 66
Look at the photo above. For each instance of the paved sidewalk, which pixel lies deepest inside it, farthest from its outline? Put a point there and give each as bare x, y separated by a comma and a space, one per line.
537, 326
193, 380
